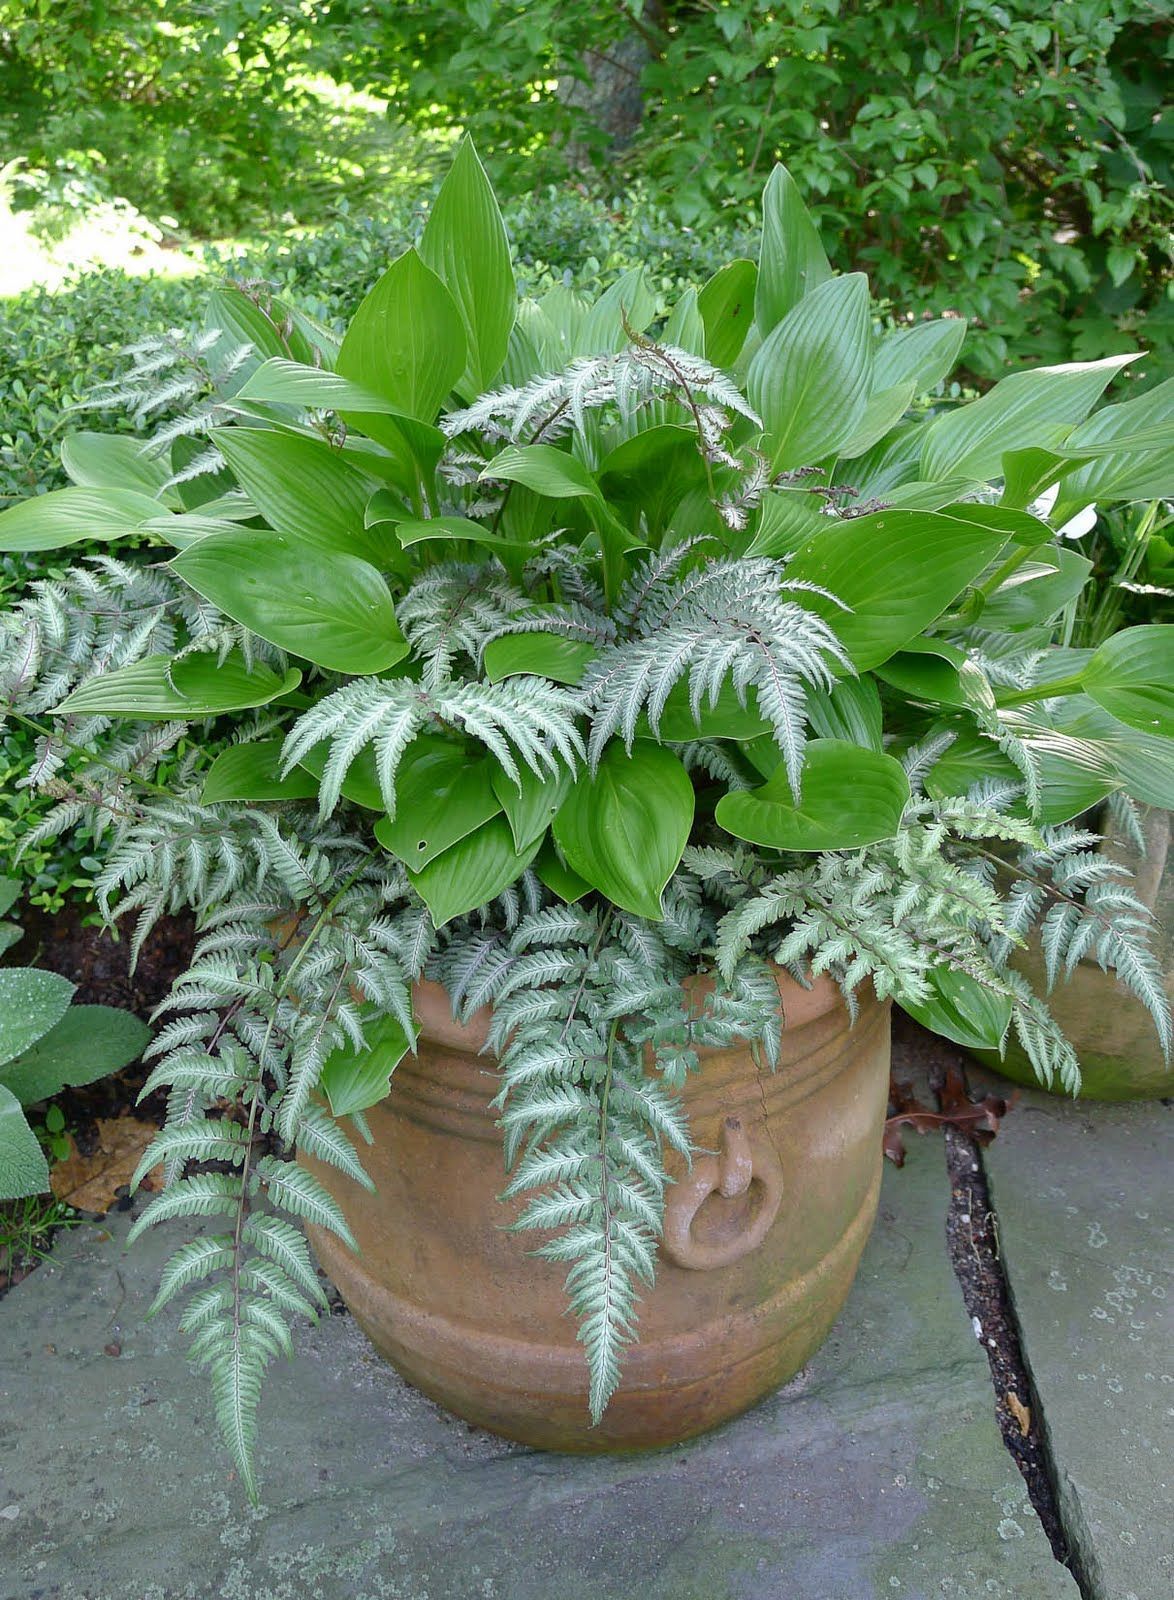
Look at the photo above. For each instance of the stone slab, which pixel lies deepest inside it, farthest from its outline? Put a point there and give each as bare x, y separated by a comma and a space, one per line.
1082, 1194
878, 1473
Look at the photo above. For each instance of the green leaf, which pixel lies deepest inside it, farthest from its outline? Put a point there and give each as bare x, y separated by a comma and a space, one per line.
253, 772
114, 461
411, 530
791, 261
1027, 473
897, 570
850, 710
195, 687
602, 331
532, 803
545, 469
1026, 409
1128, 472
64, 516
472, 872
334, 610
811, 378
726, 718
1131, 676
23, 1168
726, 304
625, 827
557, 876
882, 412
465, 244
87, 1043
406, 341
786, 520
928, 669
1070, 784
441, 795
851, 797
921, 355
31, 1002
303, 488
1036, 592
355, 1081
546, 655
963, 1010
1142, 764
685, 328
9, 893
292, 383
361, 784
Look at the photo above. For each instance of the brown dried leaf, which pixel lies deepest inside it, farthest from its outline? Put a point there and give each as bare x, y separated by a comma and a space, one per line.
1019, 1411
91, 1182
979, 1118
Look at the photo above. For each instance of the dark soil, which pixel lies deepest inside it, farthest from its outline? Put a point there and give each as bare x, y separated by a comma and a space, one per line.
972, 1236
98, 962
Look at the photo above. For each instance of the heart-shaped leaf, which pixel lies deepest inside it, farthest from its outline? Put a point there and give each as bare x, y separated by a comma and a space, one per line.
253, 772
472, 872
441, 795
851, 797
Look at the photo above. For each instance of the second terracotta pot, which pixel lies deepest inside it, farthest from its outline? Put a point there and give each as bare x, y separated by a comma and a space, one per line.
761, 1241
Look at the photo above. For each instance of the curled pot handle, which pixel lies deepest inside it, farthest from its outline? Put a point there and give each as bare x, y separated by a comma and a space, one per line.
703, 1226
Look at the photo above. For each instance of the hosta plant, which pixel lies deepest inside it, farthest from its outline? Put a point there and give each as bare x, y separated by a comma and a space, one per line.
558, 651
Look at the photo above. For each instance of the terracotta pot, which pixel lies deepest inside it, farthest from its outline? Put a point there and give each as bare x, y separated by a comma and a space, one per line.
1120, 1057
762, 1236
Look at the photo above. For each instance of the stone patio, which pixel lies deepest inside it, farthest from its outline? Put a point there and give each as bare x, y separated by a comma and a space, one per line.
879, 1472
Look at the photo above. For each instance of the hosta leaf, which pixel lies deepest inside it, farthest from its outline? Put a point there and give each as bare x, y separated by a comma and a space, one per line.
472, 872
791, 260
63, 516
406, 342
726, 304
253, 772
851, 797
921, 355
962, 1009
531, 803
193, 688
624, 828
334, 610
1131, 676
357, 1080
546, 655
115, 461
441, 795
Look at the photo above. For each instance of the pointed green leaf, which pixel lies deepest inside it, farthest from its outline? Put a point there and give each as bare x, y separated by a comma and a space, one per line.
441, 795
406, 341
253, 772
726, 304
355, 1081
791, 261
811, 378
1131, 676
63, 516
115, 461
472, 872
278, 382
196, 687
963, 1010
545, 469
532, 803
921, 355
303, 488
624, 827
546, 655
851, 797
464, 242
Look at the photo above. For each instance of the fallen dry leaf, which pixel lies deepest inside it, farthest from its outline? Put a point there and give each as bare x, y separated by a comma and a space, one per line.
979, 1118
1019, 1411
91, 1183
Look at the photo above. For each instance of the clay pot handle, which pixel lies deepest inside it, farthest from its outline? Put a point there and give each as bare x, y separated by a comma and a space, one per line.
724, 1235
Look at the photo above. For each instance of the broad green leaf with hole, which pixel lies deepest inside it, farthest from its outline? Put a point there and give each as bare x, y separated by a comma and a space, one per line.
87, 1043
851, 797
31, 1002
465, 244
811, 378
898, 571
726, 305
116, 461
962, 1009
1131, 676
23, 1168
334, 610
791, 261
303, 488
1036, 408
624, 827
253, 772
63, 516
441, 795
196, 687
357, 1080
472, 872
546, 655
531, 804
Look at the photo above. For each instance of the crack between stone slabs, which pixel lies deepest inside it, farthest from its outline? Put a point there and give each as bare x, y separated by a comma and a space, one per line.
972, 1236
